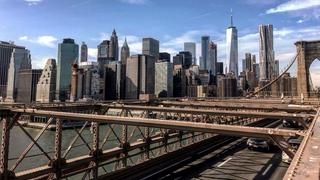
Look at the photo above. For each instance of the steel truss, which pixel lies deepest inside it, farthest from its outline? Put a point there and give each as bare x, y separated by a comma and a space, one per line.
134, 135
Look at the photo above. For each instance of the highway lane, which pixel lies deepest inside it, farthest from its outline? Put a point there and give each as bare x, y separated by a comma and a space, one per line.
233, 161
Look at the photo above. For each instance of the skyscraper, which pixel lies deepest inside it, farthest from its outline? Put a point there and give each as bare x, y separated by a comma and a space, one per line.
112, 77
6, 49
204, 51
140, 76
266, 51
68, 53
191, 47
164, 56
212, 59
20, 59
276, 68
232, 49
164, 80
114, 46
84, 52
150, 47
125, 52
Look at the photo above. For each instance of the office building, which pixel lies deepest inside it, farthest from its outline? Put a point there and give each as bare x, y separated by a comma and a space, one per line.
276, 68
6, 49
90, 80
164, 79
68, 53
46, 86
164, 56
150, 47
179, 81
232, 49
227, 86
140, 72
212, 59
83, 52
177, 59
204, 77
219, 68
27, 86
266, 51
204, 51
20, 59
125, 52
112, 81
114, 46
191, 47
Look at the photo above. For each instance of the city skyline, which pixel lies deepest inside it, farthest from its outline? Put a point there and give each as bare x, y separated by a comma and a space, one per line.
42, 42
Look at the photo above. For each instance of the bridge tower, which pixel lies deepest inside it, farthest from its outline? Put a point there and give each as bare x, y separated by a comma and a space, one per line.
309, 51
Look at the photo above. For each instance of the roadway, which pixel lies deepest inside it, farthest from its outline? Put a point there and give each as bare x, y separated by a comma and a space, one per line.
233, 161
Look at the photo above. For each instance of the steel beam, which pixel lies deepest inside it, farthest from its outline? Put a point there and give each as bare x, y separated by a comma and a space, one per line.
275, 115
168, 124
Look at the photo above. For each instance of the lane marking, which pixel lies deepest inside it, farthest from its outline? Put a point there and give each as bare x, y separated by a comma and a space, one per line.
265, 171
224, 162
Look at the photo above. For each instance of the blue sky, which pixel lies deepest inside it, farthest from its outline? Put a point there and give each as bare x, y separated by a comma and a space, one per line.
41, 24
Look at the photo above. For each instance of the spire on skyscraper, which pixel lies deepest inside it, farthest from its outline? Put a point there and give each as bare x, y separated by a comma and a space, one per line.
231, 25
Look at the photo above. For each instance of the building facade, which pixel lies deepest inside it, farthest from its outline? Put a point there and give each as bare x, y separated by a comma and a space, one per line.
164, 79
266, 51
27, 86
20, 59
140, 72
112, 90
114, 46
212, 59
84, 52
46, 86
150, 47
68, 53
179, 81
164, 56
6, 49
204, 51
191, 47
232, 49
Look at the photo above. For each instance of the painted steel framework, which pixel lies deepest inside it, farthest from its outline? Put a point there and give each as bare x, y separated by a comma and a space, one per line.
140, 134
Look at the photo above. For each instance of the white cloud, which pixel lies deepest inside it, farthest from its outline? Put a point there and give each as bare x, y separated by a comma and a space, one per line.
33, 2
92, 53
300, 21
294, 5
46, 40
135, 1
39, 62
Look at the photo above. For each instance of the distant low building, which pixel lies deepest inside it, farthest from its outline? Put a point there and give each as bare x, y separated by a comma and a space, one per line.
227, 86
27, 86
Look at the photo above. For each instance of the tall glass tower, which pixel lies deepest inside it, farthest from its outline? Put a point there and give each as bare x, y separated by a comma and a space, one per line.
68, 53
204, 52
232, 48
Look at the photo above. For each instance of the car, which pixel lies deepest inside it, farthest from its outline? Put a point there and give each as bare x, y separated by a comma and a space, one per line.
259, 143
294, 142
291, 124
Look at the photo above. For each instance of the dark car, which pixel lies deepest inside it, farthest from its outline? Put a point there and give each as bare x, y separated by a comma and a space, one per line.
291, 124
259, 143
